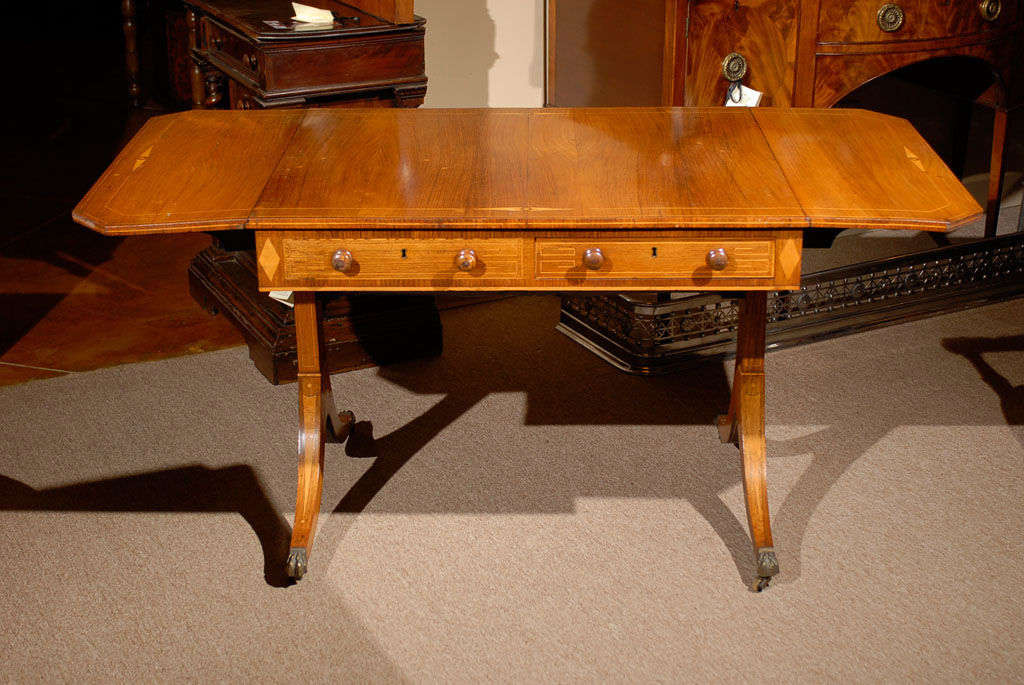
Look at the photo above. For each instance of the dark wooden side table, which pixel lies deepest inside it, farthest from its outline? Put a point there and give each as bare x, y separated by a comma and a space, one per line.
249, 54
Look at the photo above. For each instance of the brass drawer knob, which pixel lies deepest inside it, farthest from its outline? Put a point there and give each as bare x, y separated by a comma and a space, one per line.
593, 258
990, 9
465, 260
734, 67
890, 17
218, 42
717, 259
342, 261
251, 61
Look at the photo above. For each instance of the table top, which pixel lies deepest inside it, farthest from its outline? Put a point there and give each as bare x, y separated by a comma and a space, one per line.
271, 20
516, 169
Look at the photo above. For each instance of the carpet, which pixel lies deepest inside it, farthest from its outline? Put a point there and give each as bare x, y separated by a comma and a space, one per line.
518, 511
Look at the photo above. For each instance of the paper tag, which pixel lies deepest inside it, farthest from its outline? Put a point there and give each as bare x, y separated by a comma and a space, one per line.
742, 96
285, 297
312, 15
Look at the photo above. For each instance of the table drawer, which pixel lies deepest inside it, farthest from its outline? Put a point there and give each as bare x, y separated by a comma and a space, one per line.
558, 259
415, 261
438, 261
232, 49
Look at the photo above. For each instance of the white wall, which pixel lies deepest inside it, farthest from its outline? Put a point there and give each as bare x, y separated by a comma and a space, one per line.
484, 53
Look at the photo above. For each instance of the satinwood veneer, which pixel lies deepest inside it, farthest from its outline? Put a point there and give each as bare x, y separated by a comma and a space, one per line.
652, 199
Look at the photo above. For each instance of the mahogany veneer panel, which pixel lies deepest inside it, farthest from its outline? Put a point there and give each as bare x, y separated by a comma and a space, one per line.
767, 41
856, 21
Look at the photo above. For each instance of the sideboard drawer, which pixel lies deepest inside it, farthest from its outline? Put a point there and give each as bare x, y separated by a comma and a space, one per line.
862, 21
232, 49
439, 261
639, 258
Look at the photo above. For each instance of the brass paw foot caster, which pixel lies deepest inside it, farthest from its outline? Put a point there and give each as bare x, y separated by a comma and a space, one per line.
767, 568
296, 565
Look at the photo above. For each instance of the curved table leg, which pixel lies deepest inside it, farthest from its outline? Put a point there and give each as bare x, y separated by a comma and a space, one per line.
743, 425
318, 420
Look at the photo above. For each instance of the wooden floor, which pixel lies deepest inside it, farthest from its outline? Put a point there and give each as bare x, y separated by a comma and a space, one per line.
96, 301
70, 299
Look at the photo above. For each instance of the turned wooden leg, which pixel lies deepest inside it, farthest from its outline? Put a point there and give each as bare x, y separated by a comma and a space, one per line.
131, 53
995, 173
744, 426
318, 420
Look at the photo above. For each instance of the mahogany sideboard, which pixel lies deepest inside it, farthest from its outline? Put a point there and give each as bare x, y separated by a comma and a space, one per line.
550, 200
803, 53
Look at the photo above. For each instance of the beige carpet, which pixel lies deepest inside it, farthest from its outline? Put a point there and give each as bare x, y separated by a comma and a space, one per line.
535, 516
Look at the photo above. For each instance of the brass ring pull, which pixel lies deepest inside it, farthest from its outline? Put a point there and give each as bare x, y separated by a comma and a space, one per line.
890, 17
734, 67
990, 9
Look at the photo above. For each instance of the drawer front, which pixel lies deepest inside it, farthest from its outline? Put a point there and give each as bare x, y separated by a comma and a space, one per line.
862, 21
381, 60
232, 49
555, 261
401, 262
638, 258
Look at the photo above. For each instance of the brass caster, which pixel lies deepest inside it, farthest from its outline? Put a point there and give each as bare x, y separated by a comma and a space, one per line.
767, 562
339, 428
296, 565
767, 567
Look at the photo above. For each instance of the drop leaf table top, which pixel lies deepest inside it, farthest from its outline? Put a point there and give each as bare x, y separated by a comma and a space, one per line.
596, 168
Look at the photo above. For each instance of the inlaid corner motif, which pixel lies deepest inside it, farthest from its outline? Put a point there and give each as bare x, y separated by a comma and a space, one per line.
269, 260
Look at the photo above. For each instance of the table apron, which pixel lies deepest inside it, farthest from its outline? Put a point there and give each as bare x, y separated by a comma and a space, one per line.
558, 261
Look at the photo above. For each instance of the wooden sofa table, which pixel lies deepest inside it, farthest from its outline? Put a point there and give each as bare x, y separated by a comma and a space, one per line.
641, 199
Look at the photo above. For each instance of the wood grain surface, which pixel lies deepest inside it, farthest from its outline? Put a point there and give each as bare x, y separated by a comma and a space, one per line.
422, 261
884, 175
856, 21
191, 171
601, 168
768, 42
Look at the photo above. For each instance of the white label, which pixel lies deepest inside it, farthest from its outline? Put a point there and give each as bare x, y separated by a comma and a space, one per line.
285, 297
742, 96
